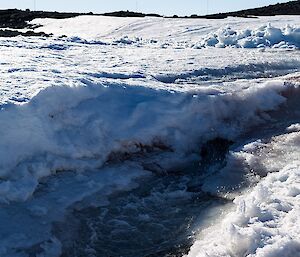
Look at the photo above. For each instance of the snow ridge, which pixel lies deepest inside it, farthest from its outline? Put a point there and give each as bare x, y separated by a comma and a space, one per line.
77, 128
264, 36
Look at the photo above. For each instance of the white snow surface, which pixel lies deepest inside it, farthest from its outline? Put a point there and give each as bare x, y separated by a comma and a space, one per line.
265, 222
229, 33
113, 86
265, 36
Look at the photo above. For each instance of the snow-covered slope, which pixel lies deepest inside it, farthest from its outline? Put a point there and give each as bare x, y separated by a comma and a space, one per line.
98, 27
111, 105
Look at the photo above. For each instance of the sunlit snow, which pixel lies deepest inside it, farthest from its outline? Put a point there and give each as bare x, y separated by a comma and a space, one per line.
183, 133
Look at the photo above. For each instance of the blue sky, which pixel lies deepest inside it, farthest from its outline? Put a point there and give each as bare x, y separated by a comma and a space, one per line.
165, 7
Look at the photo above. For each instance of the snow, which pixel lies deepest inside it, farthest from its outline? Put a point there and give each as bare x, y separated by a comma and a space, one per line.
84, 26
265, 36
77, 128
180, 32
265, 222
294, 128
103, 102
96, 27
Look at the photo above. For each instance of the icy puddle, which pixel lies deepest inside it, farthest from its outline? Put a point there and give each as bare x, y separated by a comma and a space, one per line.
157, 218
120, 210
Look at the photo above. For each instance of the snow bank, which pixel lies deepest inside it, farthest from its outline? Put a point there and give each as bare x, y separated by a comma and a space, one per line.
82, 127
264, 223
265, 36
266, 220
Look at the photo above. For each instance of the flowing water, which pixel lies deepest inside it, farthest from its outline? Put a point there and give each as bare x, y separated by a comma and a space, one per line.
157, 218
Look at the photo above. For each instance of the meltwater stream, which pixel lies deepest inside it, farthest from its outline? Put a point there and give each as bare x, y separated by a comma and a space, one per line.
157, 218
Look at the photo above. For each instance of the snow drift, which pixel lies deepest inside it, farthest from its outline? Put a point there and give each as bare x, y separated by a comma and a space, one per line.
264, 36
78, 128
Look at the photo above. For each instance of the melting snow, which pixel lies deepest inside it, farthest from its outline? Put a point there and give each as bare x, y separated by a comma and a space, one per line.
77, 106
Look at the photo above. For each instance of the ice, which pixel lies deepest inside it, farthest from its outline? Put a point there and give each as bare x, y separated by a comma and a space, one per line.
29, 224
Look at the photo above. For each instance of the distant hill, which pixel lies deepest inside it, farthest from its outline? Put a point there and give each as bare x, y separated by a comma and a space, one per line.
17, 19
130, 14
289, 8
